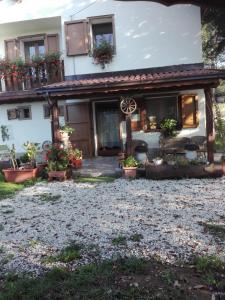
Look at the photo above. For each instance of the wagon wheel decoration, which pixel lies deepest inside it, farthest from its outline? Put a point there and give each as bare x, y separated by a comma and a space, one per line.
128, 105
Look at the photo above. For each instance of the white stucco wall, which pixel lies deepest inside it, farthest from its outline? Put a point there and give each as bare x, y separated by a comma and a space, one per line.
38, 129
147, 34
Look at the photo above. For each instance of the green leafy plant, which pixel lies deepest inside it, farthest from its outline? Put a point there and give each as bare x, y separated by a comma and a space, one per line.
130, 162
57, 158
102, 54
4, 133
13, 157
168, 127
220, 129
66, 129
31, 151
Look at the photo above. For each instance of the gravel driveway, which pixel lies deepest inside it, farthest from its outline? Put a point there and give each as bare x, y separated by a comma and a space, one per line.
168, 216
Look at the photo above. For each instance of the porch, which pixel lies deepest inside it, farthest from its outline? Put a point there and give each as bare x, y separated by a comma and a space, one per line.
181, 92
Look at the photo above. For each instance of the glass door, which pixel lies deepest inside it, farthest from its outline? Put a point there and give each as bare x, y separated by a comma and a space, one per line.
108, 128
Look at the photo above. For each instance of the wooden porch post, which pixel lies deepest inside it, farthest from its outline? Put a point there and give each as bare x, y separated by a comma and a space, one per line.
209, 124
129, 135
54, 113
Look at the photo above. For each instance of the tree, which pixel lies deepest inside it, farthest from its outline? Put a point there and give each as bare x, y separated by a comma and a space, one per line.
213, 35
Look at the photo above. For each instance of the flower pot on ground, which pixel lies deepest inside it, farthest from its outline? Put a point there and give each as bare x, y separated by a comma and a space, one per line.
158, 161
130, 165
75, 158
223, 163
18, 174
57, 162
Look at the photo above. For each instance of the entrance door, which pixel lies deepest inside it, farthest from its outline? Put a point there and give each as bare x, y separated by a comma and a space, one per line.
78, 117
108, 133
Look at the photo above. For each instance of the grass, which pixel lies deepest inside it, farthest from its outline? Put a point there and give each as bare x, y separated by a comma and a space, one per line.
48, 197
68, 254
120, 240
136, 237
99, 179
8, 189
124, 279
217, 230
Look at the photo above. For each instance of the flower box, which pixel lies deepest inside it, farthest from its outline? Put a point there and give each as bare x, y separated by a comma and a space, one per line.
19, 175
60, 175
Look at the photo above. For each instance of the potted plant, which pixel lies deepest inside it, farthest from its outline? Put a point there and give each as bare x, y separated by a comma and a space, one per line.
130, 165
191, 151
75, 158
57, 162
102, 54
158, 161
31, 152
65, 132
18, 174
168, 128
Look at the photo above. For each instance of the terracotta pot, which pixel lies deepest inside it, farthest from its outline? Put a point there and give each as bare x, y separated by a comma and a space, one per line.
61, 175
223, 168
129, 172
19, 176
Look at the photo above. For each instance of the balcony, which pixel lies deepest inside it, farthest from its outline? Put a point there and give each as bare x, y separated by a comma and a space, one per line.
22, 76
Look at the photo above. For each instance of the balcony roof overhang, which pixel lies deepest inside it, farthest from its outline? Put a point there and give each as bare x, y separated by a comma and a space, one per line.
146, 80
202, 3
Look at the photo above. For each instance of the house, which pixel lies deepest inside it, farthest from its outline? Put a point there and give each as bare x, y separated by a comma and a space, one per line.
157, 63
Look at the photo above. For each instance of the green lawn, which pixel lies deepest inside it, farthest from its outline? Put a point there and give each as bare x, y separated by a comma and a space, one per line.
125, 279
99, 179
9, 189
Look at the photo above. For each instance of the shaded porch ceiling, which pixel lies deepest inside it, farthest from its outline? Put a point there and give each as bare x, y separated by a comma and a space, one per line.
203, 3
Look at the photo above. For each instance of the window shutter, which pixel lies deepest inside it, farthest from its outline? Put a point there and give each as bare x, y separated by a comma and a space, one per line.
76, 38
52, 43
189, 110
11, 49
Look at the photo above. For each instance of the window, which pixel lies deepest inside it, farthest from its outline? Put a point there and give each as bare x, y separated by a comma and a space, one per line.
61, 110
24, 113
162, 107
34, 48
47, 112
12, 114
102, 29
102, 32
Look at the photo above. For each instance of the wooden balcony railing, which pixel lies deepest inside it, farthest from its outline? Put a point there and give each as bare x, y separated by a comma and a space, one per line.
29, 77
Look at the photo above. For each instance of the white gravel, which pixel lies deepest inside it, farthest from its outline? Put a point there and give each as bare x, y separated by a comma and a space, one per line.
167, 213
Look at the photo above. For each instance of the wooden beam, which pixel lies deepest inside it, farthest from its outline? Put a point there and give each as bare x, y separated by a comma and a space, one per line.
129, 135
209, 124
54, 112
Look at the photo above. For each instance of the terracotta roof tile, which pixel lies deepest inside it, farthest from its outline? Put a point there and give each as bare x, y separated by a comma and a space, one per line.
152, 77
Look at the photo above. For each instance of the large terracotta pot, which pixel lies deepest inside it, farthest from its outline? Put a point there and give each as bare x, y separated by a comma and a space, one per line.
18, 175
129, 172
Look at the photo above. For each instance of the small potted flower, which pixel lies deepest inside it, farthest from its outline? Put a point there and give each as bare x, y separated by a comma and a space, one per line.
65, 133
130, 165
75, 158
57, 162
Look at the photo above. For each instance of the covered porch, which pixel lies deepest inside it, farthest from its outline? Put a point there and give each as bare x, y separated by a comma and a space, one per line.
173, 91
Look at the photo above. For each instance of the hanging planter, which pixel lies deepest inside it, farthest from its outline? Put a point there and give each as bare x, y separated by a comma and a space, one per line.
102, 54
